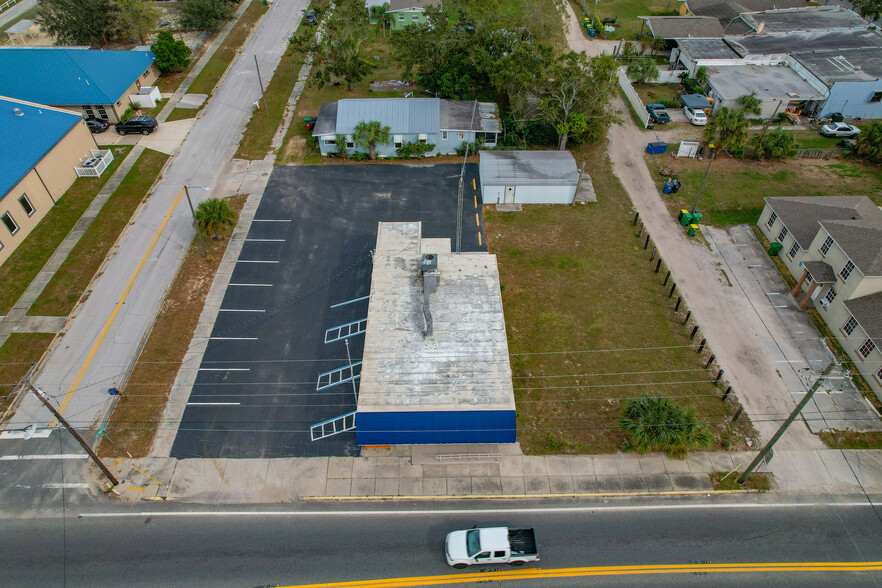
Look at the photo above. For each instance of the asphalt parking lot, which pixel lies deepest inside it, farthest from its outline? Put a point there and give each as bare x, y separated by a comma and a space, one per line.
308, 250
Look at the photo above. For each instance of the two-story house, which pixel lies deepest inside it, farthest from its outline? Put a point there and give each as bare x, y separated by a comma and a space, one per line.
446, 124
833, 246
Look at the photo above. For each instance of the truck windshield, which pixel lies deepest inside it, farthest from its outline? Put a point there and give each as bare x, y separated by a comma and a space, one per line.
473, 542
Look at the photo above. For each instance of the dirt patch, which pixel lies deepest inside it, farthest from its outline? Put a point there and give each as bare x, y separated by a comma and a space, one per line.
132, 425
729, 481
17, 355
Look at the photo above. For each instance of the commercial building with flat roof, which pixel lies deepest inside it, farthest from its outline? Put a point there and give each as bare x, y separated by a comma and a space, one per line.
850, 79
435, 366
777, 87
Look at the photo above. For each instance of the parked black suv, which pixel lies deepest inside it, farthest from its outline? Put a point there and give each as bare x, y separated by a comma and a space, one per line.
137, 124
97, 125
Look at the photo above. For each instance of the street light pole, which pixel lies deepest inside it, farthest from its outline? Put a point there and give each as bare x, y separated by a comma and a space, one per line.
195, 222
704, 179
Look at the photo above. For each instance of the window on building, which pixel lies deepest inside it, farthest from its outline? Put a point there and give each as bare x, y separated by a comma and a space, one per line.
846, 270
26, 204
401, 17
849, 326
10, 223
330, 140
828, 243
145, 73
866, 348
350, 144
119, 103
489, 138
793, 250
831, 295
1, 246
782, 234
879, 374
876, 97
461, 136
415, 17
422, 138
397, 141
772, 218
443, 135
89, 112
102, 114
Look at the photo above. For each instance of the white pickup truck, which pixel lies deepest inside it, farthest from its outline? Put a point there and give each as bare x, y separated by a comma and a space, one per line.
492, 545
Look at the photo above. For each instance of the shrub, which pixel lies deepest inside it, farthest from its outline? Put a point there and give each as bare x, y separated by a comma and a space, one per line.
657, 423
411, 150
773, 144
360, 156
171, 54
214, 216
207, 15
473, 147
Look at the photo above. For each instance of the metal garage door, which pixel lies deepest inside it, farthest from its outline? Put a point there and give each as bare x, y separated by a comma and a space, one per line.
544, 194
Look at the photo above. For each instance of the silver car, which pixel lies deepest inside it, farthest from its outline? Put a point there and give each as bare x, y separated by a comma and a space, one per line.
840, 129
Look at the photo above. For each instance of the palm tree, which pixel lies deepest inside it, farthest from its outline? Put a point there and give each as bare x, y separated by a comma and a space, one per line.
750, 103
658, 423
774, 144
214, 216
869, 142
369, 134
727, 129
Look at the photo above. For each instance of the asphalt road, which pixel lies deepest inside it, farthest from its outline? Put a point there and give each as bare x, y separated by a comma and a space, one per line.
308, 249
238, 550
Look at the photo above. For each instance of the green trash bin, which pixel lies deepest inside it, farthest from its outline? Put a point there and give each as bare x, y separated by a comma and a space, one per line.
774, 248
686, 219
696, 217
692, 229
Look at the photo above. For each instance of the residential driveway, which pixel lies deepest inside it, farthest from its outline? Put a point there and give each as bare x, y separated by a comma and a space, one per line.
308, 251
167, 138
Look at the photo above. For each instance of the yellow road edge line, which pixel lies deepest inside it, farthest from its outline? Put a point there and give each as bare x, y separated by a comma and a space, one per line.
119, 304
605, 571
529, 496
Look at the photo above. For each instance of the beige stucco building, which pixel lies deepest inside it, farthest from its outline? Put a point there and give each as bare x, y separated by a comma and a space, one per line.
833, 246
40, 148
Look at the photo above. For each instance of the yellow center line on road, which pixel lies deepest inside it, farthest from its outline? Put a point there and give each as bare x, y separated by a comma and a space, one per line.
474, 186
476, 201
119, 304
454, 578
479, 238
477, 222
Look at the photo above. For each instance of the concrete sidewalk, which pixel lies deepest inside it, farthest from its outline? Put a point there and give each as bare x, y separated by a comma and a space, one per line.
253, 481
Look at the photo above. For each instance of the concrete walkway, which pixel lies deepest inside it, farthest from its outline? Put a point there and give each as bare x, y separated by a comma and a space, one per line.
252, 481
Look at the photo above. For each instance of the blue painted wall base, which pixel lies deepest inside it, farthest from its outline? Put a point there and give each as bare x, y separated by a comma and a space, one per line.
399, 428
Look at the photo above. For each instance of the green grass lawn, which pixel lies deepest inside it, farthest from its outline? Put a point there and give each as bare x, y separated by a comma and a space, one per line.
589, 323
814, 140
74, 275
17, 355
182, 113
650, 93
736, 187
220, 61
625, 12
30, 257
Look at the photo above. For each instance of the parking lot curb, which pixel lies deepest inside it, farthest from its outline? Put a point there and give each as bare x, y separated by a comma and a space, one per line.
527, 496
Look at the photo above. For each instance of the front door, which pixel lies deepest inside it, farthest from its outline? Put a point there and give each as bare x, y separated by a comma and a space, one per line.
509, 194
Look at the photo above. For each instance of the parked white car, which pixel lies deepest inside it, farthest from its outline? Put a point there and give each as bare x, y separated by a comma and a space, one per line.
840, 129
696, 117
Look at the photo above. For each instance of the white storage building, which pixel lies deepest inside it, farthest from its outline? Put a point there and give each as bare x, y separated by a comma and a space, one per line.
528, 177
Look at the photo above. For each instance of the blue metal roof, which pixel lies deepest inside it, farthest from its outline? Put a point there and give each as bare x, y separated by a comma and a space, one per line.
63, 76
26, 138
402, 115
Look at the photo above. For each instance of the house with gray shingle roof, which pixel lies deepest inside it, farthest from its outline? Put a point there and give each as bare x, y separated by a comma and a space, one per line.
833, 246
446, 124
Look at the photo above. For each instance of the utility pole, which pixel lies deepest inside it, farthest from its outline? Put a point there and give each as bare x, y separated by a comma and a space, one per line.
704, 179
805, 400
42, 398
195, 222
262, 91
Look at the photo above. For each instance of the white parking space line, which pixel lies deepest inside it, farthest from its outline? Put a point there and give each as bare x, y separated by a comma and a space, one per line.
232, 338
224, 369
256, 261
214, 404
271, 220
47, 456
240, 310
253, 285
265, 240
68, 485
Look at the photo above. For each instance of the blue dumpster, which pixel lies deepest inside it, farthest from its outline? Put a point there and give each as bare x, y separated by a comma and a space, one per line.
656, 148
668, 187
591, 32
